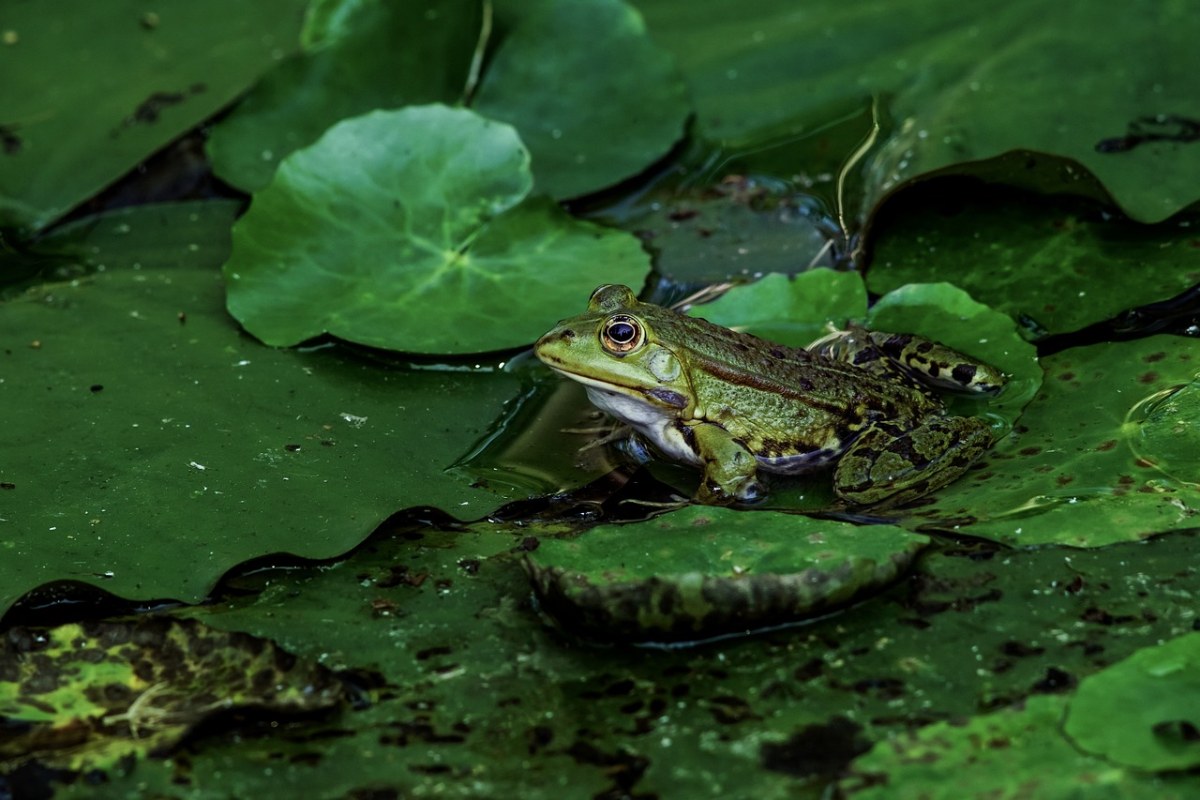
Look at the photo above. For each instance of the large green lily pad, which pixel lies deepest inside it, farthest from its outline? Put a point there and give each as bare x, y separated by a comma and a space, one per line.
1155, 693
406, 230
101, 87
168, 446
593, 97
1049, 83
700, 572
361, 56
1081, 468
1055, 267
83, 697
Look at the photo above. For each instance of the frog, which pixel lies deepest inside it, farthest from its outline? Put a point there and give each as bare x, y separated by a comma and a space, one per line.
863, 404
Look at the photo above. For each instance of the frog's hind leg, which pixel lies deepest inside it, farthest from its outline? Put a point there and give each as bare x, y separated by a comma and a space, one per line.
918, 360
893, 463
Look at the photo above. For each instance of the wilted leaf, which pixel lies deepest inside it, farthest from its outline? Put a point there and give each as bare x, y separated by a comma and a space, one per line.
83, 697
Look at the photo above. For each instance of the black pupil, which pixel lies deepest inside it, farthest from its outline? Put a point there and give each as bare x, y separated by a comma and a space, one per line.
622, 332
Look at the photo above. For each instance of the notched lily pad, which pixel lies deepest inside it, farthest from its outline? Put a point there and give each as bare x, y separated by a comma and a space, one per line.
702, 572
406, 230
84, 696
1155, 694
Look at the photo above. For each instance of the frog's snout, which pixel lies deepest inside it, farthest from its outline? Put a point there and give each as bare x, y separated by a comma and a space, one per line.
545, 347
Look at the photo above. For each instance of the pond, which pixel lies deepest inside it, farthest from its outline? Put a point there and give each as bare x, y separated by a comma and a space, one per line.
289, 507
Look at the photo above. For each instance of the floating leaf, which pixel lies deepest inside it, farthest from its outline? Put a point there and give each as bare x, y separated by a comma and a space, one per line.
790, 310
83, 697
88, 97
1155, 695
752, 82
370, 55
594, 99
700, 572
1057, 267
406, 230
1072, 472
168, 447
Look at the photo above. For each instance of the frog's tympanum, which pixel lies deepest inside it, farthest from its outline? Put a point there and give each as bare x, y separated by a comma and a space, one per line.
733, 404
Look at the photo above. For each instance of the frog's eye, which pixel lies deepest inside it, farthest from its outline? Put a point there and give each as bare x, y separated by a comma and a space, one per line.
621, 334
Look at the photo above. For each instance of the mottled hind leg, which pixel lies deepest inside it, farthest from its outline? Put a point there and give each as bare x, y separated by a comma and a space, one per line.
895, 464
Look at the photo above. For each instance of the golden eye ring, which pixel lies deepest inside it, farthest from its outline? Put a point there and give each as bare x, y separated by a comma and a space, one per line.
622, 334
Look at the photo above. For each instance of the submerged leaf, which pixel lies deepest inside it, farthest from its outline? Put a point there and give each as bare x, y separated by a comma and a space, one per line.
406, 230
1019, 752
84, 697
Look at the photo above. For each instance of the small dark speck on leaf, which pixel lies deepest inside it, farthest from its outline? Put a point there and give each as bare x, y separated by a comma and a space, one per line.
1177, 729
1148, 377
96, 387
292, 448
1055, 680
9, 141
7, 485
816, 749
529, 544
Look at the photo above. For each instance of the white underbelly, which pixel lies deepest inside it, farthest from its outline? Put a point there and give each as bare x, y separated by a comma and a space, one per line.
656, 425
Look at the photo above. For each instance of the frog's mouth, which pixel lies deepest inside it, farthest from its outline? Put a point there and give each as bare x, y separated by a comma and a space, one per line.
664, 398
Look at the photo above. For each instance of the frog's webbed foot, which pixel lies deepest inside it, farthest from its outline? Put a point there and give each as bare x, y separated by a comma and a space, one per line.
730, 470
892, 464
910, 357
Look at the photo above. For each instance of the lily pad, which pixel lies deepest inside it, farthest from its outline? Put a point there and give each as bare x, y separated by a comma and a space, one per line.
592, 96
701, 572
86, 98
1155, 693
84, 697
790, 310
949, 107
1057, 267
1019, 752
1078, 470
362, 56
169, 447
406, 230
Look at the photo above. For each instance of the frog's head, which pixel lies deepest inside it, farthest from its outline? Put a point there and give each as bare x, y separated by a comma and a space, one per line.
618, 345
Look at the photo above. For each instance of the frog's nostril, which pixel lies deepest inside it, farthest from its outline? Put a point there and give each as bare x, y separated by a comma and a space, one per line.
568, 333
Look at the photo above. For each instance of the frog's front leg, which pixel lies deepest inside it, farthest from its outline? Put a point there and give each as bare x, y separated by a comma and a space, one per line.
895, 463
730, 470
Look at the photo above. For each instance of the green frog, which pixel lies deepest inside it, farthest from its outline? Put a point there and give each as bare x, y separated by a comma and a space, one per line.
860, 402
